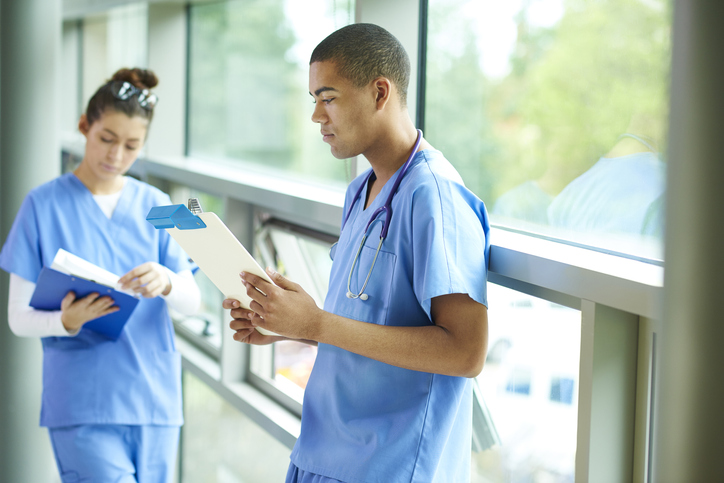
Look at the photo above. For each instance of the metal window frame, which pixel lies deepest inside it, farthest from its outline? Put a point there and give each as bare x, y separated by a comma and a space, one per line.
620, 298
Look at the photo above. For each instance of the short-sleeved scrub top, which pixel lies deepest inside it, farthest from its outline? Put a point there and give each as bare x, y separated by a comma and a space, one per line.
367, 421
89, 379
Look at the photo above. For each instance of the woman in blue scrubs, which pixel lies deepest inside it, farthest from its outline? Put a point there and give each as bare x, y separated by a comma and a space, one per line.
404, 325
112, 408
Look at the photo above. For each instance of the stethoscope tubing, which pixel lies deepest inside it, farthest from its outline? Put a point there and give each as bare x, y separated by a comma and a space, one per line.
387, 209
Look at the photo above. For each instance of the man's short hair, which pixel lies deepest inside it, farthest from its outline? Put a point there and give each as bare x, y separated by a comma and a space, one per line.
363, 52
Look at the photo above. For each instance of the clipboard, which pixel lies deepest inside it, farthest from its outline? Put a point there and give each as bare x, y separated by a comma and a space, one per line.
212, 246
53, 285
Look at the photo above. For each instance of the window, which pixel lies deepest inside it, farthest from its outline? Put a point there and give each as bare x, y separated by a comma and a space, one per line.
93, 48
248, 99
219, 443
114, 39
555, 113
303, 256
524, 97
532, 342
70, 66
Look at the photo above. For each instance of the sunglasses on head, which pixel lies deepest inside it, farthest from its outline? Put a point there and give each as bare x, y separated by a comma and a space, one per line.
124, 90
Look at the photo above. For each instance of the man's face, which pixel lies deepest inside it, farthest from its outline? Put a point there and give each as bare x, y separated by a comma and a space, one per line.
344, 112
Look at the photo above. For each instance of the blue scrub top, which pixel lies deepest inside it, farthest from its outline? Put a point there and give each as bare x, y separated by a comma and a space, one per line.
88, 379
364, 420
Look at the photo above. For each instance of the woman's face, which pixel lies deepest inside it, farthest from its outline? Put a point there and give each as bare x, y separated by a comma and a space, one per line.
112, 143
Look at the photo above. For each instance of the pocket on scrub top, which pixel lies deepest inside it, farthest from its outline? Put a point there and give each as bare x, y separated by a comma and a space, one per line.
374, 308
69, 379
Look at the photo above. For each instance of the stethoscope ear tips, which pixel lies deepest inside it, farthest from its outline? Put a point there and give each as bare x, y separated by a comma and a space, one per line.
363, 296
350, 295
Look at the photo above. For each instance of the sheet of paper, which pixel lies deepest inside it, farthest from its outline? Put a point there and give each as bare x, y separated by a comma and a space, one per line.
71, 264
220, 256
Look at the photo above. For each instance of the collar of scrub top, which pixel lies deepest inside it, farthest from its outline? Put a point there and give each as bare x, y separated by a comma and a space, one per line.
387, 210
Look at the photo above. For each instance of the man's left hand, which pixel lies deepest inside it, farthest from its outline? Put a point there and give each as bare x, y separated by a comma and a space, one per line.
284, 308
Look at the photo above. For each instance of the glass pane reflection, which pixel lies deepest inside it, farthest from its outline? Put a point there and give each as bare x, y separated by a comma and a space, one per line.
555, 113
530, 387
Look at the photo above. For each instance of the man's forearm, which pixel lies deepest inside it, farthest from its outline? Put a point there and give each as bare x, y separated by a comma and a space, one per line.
430, 348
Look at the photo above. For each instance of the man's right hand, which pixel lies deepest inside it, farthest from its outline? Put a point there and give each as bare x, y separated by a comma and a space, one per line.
244, 330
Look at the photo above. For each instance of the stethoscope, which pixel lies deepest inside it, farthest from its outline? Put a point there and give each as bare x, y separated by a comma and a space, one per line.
387, 209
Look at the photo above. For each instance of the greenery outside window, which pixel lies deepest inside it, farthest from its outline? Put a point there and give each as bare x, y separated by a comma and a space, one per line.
555, 113
248, 78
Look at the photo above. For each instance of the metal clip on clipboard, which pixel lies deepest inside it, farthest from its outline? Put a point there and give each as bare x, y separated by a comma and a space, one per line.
194, 206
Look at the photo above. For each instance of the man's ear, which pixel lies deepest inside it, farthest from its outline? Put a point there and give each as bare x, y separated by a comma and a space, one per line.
83, 125
383, 90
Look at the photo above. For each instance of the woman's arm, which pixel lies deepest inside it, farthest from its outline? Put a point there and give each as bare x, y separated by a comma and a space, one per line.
152, 279
184, 296
24, 320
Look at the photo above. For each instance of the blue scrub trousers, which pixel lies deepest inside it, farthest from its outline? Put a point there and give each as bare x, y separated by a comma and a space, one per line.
110, 453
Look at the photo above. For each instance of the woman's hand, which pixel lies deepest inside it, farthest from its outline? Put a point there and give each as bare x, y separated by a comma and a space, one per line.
149, 280
75, 313
244, 328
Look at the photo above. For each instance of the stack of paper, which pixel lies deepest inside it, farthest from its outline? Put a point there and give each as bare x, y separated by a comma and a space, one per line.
69, 272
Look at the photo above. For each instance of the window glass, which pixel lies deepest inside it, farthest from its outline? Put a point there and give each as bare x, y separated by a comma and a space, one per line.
248, 85
70, 101
304, 259
92, 50
529, 389
555, 113
111, 40
220, 444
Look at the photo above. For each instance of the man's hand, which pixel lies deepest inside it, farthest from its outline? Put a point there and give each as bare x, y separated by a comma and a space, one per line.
243, 327
75, 313
455, 344
284, 308
149, 279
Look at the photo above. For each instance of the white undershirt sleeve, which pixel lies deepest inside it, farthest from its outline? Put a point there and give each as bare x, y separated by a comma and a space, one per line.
26, 321
184, 296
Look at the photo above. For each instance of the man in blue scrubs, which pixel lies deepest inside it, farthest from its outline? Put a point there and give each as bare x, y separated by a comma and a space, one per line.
390, 395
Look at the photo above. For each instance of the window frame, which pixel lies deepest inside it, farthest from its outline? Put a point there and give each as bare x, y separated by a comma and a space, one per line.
613, 292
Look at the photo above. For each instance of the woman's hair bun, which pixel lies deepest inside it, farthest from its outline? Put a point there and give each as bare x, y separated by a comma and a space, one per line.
141, 78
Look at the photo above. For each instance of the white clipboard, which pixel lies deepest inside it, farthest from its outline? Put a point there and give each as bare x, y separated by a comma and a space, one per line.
221, 257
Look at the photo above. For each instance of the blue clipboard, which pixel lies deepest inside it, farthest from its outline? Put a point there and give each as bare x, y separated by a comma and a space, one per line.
212, 246
53, 285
